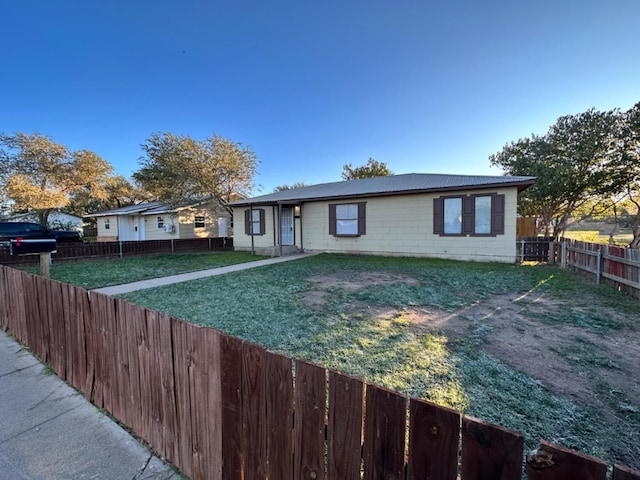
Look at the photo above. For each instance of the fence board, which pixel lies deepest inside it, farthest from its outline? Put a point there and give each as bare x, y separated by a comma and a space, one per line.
384, 434
231, 396
560, 463
211, 417
344, 428
4, 297
310, 395
131, 315
433, 441
102, 306
254, 426
624, 473
56, 320
490, 452
279, 383
37, 333
183, 347
164, 364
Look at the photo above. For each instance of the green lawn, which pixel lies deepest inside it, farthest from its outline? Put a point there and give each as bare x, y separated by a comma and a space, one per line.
353, 314
103, 273
624, 237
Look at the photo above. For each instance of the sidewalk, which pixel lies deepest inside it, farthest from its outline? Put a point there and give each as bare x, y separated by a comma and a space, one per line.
185, 277
48, 431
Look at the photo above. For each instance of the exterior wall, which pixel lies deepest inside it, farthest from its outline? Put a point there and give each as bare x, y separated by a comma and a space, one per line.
107, 235
151, 230
242, 241
395, 225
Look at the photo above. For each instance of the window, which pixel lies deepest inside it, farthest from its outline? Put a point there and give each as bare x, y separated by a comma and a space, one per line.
474, 215
347, 219
107, 225
254, 221
160, 223
453, 216
199, 222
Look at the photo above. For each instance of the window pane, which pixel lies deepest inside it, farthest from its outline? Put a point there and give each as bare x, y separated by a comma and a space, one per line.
347, 227
452, 215
256, 228
483, 215
256, 215
347, 212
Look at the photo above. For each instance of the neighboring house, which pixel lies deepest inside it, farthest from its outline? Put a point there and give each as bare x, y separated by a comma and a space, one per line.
154, 221
448, 216
57, 220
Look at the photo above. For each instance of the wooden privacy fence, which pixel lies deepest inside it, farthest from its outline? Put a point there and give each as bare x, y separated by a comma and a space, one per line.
221, 408
611, 264
77, 251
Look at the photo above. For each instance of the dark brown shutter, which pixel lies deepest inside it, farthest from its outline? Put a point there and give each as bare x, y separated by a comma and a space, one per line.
247, 221
262, 223
362, 218
497, 215
468, 215
438, 216
332, 219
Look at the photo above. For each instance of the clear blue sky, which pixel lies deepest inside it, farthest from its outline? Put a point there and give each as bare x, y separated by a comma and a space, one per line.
425, 86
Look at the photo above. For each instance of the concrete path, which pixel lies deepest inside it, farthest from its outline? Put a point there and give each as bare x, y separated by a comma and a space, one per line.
48, 431
185, 277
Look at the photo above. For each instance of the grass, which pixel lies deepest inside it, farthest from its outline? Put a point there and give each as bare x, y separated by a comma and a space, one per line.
103, 273
623, 237
266, 306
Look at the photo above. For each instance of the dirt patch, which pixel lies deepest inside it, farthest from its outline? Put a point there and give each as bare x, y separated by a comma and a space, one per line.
594, 369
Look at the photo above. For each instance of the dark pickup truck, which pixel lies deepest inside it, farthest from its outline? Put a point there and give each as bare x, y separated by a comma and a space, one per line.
29, 231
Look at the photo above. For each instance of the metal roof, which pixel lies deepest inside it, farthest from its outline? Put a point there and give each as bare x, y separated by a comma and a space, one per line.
131, 209
391, 185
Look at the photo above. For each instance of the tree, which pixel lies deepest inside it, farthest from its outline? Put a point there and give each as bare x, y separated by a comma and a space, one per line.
119, 192
178, 169
38, 174
572, 165
625, 166
283, 188
371, 169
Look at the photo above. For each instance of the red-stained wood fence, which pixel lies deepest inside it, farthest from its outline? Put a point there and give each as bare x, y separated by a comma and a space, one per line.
218, 407
80, 251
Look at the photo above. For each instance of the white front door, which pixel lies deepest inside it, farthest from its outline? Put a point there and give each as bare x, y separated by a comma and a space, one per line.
286, 225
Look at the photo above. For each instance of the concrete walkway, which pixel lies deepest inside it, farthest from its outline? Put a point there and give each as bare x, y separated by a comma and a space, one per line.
185, 277
48, 431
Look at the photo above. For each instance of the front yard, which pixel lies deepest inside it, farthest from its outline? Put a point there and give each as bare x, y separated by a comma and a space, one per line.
532, 348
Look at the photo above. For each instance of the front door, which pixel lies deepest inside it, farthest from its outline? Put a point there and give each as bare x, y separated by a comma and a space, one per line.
286, 226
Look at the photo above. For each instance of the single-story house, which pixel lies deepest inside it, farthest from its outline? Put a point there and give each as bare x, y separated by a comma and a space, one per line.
448, 216
155, 221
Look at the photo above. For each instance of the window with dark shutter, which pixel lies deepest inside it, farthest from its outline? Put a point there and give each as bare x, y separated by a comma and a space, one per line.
347, 219
473, 215
254, 221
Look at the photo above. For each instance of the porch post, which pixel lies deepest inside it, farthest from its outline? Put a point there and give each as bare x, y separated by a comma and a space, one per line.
280, 226
253, 249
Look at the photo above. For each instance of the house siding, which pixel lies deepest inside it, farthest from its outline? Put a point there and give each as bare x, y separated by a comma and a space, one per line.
107, 235
399, 225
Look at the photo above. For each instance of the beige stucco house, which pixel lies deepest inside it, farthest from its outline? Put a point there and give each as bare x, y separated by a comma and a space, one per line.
154, 221
448, 216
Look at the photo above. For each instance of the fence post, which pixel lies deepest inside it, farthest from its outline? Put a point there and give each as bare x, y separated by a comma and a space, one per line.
563, 261
551, 257
598, 266
209, 243
172, 247
120, 248
521, 251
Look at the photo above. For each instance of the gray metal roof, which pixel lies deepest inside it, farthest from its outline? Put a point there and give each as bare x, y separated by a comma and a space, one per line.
392, 185
131, 209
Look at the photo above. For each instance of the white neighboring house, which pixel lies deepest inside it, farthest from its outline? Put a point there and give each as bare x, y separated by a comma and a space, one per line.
154, 221
57, 220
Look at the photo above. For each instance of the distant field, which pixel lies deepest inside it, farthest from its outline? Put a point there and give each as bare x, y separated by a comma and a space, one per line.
624, 237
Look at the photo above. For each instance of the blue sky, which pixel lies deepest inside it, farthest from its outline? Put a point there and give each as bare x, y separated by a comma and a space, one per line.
432, 87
